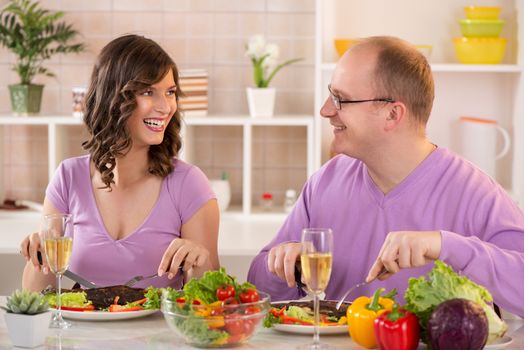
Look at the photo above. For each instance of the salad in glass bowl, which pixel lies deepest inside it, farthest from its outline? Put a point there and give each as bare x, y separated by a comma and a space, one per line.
215, 310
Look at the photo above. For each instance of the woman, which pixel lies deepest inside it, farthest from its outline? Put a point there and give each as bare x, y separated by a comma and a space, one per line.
137, 209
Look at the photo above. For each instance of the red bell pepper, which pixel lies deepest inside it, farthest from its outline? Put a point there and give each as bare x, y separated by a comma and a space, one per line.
89, 307
397, 329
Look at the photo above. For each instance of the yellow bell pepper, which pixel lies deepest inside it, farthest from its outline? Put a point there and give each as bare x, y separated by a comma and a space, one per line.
362, 313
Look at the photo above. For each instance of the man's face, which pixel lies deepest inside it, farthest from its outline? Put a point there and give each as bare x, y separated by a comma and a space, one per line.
357, 127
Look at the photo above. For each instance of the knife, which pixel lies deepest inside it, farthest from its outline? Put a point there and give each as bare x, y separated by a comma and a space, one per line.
72, 276
83, 282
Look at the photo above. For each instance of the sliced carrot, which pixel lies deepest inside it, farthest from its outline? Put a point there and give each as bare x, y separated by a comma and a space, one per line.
123, 308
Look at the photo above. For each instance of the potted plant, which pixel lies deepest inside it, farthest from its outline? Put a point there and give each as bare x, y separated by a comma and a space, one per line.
261, 98
27, 318
34, 35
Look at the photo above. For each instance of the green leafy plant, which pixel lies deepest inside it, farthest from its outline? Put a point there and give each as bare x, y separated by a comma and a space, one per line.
26, 302
263, 56
34, 35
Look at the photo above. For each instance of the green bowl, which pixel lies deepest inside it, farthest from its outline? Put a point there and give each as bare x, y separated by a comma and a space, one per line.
475, 28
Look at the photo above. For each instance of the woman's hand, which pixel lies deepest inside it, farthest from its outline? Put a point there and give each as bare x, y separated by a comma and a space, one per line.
30, 248
182, 253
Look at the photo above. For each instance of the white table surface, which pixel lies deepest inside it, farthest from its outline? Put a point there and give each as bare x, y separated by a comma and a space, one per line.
152, 332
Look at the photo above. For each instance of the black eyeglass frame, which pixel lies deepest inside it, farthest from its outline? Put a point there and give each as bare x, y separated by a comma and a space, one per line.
338, 102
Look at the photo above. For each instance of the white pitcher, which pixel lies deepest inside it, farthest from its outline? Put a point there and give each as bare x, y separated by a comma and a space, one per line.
479, 142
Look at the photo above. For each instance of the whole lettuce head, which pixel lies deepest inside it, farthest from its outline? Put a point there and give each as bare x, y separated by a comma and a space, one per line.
424, 295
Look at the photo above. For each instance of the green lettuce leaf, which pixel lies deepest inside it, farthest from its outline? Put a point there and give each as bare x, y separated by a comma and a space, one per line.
423, 295
204, 288
70, 299
153, 297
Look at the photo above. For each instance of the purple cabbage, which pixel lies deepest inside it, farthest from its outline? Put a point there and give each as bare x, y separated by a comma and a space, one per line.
458, 324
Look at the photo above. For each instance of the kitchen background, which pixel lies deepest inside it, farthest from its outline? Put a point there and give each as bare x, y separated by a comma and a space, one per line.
211, 35
204, 34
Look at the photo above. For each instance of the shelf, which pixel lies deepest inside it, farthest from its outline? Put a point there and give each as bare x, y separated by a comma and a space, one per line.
240, 120
39, 120
59, 126
248, 125
459, 68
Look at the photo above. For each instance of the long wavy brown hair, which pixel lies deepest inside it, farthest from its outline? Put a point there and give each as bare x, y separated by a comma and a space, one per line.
125, 66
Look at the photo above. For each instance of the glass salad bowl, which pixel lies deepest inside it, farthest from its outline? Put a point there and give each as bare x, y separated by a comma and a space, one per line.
215, 325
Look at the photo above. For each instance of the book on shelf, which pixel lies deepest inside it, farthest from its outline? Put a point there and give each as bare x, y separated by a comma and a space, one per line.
194, 85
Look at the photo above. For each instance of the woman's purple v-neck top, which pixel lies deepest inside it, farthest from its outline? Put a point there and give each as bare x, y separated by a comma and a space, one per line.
105, 261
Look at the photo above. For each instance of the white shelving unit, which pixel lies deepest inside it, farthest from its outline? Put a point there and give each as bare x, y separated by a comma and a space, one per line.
490, 91
247, 123
57, 129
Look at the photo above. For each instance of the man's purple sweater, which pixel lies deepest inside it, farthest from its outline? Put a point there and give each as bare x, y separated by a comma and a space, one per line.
482, 227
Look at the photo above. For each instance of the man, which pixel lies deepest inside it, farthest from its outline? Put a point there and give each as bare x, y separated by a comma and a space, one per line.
394, 200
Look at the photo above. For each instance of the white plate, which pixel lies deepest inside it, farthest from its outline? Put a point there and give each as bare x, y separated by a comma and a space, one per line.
105, 315
300, 329
499, 344
303, 329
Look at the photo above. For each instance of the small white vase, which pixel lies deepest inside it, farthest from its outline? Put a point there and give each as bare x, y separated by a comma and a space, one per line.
222, 190
28, 331
261, 101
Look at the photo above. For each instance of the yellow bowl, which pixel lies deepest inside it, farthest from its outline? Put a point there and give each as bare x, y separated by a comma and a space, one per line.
482, 12
342, 45
481, 27
480, 50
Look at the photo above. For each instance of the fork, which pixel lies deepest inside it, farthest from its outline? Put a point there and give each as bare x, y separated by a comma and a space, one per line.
137, 279
358, 285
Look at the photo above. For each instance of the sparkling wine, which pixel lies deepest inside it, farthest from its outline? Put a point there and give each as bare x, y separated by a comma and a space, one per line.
316, 268
58, 252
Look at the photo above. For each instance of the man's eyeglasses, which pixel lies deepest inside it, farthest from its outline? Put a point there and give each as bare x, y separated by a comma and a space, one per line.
338, 102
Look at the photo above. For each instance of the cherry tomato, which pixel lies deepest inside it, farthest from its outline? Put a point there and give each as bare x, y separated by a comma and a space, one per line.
230, 302
249, 295
224, 292
249, 327
217, 311
251, 323
251, 310
234, 324
180, 300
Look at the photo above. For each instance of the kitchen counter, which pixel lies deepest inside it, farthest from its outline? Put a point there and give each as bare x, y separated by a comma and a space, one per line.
240, 235
152, 332
240, 238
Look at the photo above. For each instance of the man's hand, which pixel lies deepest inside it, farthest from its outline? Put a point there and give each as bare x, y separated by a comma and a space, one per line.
281, 261
405, 249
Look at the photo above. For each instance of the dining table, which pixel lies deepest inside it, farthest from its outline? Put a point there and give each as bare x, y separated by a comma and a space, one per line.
152, 332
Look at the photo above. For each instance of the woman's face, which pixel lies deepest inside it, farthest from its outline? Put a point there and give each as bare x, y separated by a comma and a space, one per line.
155, 107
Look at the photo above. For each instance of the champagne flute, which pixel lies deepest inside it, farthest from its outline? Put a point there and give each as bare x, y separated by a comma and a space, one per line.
315, 260
57, 238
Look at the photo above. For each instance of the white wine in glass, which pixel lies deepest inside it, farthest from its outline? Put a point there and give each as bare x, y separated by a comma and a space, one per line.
57, 237
316, 260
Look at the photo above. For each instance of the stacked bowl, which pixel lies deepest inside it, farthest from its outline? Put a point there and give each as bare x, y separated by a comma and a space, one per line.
480, 42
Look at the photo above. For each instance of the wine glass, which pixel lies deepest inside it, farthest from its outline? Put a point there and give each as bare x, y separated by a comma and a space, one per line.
315, 260
57, 238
